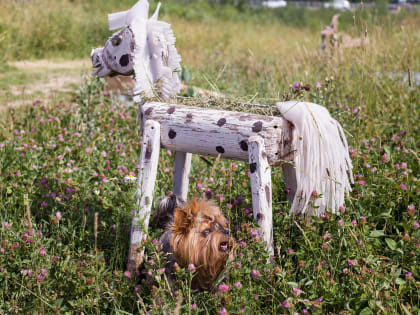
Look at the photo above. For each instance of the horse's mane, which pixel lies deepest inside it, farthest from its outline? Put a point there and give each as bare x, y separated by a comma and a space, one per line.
156, 60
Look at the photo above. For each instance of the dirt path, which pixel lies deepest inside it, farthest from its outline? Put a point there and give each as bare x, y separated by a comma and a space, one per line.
25, 81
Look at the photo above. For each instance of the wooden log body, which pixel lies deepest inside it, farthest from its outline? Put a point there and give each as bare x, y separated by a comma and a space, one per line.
212, 132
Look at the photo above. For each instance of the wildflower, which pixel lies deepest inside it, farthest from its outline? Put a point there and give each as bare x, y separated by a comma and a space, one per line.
290, 251
44, 273
223, 287
255, 274
154, 242
403, 187
44, 204
223, 311
362, 219
411, 210
191, 267
6, 224
305, 312
42, 251
255, 296
318, 84
362, 183
103, 153
88, 150
326, 236
237, 284
247, 210
286, 304
242, 244
404, 165
340, 223
295, 85
58, 215
229, 205
254, 233
416, 225
342, 209
194, 307
351, 262
409, 276
127, 274
297, 291
238, 265
130, 178
354, 223
39, 278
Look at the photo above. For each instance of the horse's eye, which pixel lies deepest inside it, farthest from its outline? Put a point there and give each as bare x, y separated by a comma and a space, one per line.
206, 233
116, 40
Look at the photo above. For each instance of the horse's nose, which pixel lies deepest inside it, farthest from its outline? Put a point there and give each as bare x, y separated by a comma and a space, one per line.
95, 57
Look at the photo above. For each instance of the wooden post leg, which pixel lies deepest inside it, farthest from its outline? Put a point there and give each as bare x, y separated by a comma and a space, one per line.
261, 189
182, 166
149, 158
289, 174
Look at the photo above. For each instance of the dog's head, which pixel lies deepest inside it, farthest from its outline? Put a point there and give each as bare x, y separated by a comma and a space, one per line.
201, 237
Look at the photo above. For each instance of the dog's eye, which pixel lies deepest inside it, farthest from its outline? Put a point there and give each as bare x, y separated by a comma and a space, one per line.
116, 40
206, 233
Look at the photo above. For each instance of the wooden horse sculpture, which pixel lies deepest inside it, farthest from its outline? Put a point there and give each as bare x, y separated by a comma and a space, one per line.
306, 141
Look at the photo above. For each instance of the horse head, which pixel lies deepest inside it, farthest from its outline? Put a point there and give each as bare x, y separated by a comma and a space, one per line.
145, 47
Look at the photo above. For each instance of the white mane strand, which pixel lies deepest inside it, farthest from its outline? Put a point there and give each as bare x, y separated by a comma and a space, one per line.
323, 165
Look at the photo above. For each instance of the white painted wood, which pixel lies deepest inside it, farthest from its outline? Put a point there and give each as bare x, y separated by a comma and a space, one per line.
182, 167
149, 158
261, 189
213, 132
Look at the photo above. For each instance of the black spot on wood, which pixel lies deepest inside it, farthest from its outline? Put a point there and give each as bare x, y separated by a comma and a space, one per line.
244, 145
220, 149
275, 126
171, 134
189, 117
267, 193
257, 126
124, 60
252, 167
148, 111
286, 142
260, 217
221, 122
171, 110
264, 155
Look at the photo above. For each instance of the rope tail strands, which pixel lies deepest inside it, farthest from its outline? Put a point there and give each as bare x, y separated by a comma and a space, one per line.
322, 164
306, 141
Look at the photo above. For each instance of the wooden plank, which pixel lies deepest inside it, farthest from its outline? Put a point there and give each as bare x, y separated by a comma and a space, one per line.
149, 158
182, 167
261, 190
213, 132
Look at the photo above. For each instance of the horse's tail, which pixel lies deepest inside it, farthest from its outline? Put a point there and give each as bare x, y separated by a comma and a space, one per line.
322, 170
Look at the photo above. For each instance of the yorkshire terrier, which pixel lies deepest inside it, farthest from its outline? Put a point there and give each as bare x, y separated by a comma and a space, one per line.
196, 233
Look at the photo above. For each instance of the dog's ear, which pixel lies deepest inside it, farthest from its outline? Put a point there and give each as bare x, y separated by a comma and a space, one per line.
184, 218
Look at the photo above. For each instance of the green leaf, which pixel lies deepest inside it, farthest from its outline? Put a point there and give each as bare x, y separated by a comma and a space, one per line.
406, 310
391, 243
293, 284
366, 311
399, 281
376, 233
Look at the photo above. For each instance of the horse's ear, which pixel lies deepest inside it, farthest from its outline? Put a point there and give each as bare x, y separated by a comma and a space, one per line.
155, 15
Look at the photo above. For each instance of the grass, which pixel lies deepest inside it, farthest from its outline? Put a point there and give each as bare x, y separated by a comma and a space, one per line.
62, 162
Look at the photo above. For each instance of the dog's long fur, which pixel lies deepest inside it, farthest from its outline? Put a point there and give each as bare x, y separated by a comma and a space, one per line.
196, 233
